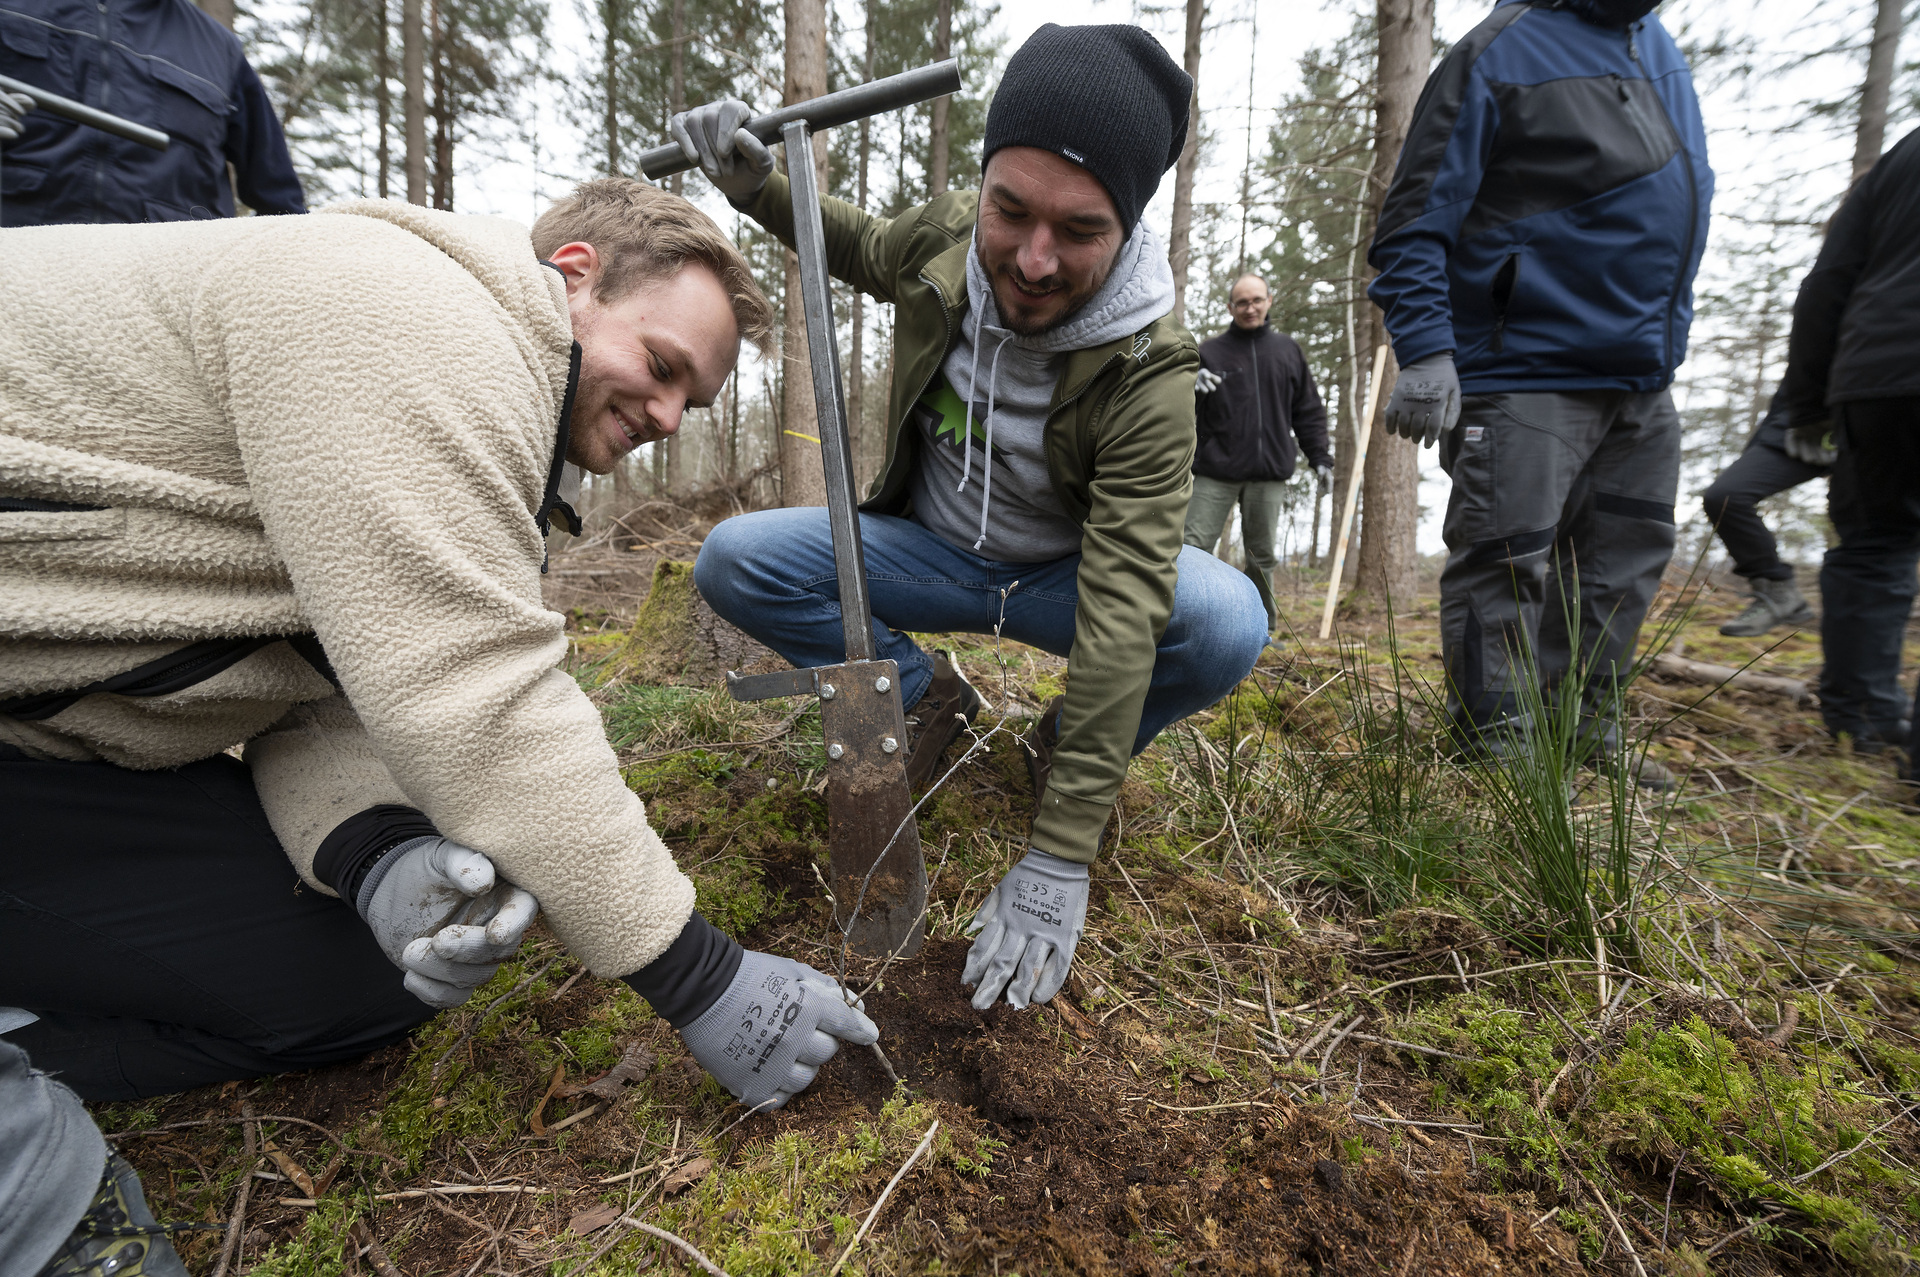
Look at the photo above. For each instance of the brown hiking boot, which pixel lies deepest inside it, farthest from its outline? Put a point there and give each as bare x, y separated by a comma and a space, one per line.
943, 711
1038, 746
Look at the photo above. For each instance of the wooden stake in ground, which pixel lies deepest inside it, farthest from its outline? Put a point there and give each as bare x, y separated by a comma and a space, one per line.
1353, 488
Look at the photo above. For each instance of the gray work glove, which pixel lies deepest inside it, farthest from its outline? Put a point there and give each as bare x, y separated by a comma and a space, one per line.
441, 914
1812, 443
1028, 928
773, 1028
1425, 401
12, 107
1325, 474
734, 160
1206, 381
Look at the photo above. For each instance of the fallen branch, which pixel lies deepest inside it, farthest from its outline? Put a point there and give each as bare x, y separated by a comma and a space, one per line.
1849, 1152
683, 1244
454, 1190
1618, 1229
1686, 671
264, 1117
230, 1248
370, 1247
926, 1141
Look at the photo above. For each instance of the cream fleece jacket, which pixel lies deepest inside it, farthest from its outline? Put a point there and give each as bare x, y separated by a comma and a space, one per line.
340, 423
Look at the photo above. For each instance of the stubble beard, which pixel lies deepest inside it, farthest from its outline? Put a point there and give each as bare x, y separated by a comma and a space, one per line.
1003, 277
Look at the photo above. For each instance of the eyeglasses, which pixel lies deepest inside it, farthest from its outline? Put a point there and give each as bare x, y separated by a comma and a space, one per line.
1246, 301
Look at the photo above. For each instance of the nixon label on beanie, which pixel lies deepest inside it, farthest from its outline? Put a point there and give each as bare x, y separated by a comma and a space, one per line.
1106, 97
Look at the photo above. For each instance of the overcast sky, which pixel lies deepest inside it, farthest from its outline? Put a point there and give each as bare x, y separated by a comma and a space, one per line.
1254, 46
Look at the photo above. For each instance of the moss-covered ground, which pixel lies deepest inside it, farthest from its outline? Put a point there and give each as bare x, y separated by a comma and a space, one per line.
1334, 1013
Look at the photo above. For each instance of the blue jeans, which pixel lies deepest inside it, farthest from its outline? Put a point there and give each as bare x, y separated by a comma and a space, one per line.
771, 573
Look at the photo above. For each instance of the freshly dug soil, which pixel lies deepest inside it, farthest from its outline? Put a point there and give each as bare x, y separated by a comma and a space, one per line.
1096, 1179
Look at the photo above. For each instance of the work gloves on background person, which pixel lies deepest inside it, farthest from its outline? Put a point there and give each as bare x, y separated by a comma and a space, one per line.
734, 160
1325, 474
776, 1024
1425, 401
1028, 928
1206, 381
442, 915
12, 107
1812, 443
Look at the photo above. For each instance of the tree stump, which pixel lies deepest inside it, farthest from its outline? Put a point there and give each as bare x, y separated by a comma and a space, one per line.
677, 638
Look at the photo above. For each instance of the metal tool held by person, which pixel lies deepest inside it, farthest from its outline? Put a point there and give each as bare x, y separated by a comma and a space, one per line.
879, 875
844, 106
81, 113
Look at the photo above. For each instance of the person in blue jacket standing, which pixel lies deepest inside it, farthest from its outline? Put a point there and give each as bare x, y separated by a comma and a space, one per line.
1536, 254
161, 63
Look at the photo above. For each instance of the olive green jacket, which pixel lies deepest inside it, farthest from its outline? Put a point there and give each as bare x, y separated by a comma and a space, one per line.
1120, 442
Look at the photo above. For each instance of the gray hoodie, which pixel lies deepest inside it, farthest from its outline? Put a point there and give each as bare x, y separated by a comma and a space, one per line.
994, 496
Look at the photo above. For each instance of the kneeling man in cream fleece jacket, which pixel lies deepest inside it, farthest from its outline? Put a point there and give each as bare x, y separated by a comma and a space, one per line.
281, 484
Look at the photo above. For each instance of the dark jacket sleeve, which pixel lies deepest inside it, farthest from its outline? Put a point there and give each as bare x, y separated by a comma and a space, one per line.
1822, 301
1309, 415
257, 147
1434, 184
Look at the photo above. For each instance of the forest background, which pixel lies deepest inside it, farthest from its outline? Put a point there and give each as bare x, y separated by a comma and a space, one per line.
1301, 109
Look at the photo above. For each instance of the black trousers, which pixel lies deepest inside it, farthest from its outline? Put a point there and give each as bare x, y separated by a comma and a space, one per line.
153, 922
1758, 473
1867, 580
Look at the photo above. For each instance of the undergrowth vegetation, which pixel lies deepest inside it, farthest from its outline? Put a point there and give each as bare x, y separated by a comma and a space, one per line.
1348, 1002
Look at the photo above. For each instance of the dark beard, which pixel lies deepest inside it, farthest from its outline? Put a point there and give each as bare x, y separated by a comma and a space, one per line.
1066, 316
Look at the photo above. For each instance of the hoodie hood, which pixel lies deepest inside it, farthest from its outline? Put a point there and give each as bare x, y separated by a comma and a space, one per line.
1610, 13
993, 396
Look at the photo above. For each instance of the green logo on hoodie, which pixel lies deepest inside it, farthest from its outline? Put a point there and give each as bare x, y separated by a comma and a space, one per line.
943, 414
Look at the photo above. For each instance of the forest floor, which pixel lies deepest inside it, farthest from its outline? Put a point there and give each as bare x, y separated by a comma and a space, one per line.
1333, 1014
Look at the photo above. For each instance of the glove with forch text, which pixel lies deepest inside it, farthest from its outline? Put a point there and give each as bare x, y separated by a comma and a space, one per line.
776, 1024
1028, 928
1425, 401
734, 160
1812, 443
12, 107
441, 914
1206, 381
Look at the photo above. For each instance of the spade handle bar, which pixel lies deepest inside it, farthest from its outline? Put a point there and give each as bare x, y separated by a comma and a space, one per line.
876, 97
81, 113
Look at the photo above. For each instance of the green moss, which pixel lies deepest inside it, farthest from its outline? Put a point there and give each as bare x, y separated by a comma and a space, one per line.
733, 896
318, 1249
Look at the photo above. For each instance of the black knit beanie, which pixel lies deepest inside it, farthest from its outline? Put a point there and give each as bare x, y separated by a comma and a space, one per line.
1106, 97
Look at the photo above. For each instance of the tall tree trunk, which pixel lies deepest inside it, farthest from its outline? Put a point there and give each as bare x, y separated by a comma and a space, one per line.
857, 371
937, 146
440, 43
220, 11
383, 97
1390, 492
802, 481
610, 15
413, 94
1871, 135
1180, 246
676, 448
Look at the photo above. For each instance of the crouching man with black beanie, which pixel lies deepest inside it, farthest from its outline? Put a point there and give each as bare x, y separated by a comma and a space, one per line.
1040, 431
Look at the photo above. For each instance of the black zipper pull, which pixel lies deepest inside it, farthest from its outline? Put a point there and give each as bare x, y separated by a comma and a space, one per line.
1620, 87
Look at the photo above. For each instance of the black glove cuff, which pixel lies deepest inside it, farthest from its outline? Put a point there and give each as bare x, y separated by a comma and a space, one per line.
359, 842
690, 976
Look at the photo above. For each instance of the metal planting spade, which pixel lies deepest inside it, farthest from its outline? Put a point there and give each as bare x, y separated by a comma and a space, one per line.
879, 876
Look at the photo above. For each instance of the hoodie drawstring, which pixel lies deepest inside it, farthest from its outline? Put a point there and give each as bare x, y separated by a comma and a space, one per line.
966, 468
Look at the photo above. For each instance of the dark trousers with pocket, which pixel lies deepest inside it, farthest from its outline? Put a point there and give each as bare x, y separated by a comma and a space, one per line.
1732, 502
1560, 519
154, 924
1867, 580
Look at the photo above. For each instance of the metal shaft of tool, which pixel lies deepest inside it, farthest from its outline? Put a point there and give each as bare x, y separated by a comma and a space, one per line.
829, 400
81, 113
844, 106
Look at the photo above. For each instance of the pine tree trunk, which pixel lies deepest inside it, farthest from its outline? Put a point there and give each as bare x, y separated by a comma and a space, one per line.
1871, 135
220, 11
413, 93
802, 480
1390, 491
676, 452
440, 41
1180, 246
937, 145
610, 82
383, 98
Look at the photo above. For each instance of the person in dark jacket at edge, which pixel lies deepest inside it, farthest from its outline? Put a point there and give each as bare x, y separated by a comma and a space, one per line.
161, 63
1763, 470
1536, 254
1852, 390
1254, 395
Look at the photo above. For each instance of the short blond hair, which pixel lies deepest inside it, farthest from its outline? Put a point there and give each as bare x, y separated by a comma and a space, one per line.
644, 233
